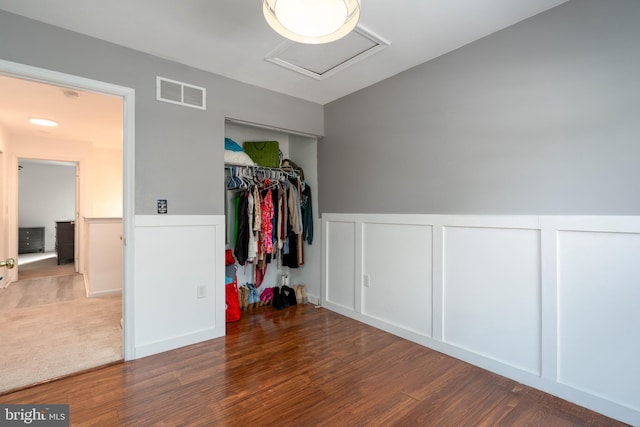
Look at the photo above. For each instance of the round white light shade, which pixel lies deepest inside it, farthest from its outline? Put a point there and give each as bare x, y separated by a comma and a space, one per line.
43, 122
312, 21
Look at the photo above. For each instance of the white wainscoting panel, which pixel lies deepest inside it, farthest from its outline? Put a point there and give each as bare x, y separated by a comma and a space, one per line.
340, 264
174, 255
599, 314
492, 293
549, 301
103, 264
386, 289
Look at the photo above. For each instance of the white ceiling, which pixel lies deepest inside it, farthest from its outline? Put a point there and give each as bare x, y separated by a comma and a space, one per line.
231, 38
89, 117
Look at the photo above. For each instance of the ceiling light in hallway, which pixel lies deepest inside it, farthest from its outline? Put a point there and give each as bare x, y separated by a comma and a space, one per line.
312, 21
43, 122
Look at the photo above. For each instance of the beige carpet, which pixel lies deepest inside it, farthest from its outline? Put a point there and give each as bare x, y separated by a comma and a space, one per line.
50, 329
42, 265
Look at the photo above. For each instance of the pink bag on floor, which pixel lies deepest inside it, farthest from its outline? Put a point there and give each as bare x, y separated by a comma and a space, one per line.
266, 296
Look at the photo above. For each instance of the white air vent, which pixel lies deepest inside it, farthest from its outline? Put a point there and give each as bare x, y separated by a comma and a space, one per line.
181, 93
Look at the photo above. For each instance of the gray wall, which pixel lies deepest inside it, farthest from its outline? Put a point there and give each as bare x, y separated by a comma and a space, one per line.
540, 118
178, 150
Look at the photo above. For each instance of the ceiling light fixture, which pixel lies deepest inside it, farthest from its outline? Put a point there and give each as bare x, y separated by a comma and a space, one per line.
71, 93
312, 21
43, 122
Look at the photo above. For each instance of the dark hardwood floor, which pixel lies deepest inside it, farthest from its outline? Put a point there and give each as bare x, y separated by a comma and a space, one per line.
303, 367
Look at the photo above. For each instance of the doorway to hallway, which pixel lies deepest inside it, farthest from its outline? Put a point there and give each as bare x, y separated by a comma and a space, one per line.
125, 177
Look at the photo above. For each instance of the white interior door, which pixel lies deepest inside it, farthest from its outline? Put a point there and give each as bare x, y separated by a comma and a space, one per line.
3, 225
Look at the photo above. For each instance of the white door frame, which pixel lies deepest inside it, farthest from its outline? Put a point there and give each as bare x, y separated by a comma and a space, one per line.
42, 75
13, 190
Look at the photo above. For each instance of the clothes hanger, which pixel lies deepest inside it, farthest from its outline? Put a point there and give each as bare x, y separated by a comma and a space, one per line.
230, 183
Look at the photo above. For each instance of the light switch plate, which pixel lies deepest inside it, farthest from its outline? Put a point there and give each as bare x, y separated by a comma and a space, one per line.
201, 291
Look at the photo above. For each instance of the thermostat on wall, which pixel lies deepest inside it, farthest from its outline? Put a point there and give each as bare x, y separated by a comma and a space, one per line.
162, 206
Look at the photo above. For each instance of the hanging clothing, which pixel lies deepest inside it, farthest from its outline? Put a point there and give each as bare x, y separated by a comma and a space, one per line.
257, 217
266, 207
236, 202
300, 240
273, 220
294, 209
307, 214
252, 247
284, 219
242, 241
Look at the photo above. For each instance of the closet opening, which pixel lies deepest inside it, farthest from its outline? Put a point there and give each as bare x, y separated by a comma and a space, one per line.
272, 258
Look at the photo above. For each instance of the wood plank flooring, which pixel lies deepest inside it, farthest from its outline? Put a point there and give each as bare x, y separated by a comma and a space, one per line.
303, 367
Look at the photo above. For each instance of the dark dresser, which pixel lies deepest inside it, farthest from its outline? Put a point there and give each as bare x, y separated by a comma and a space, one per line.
30, 239
64, 241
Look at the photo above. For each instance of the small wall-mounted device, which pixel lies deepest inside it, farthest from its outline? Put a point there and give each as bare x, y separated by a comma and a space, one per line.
201, 291
162, 206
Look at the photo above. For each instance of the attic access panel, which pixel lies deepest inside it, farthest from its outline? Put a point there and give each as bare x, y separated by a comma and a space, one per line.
320, 61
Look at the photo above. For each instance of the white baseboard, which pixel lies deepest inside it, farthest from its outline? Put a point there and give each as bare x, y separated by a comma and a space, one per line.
313, 299
149, 349
105, 293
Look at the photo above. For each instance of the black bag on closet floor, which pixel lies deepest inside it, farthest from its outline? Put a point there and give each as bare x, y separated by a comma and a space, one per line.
277, 301
289, 294
283, 297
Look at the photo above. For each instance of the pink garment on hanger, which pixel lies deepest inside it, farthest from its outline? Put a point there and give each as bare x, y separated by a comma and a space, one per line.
266, 210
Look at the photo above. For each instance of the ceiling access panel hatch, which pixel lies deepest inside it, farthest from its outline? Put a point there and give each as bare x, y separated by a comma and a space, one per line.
320, 61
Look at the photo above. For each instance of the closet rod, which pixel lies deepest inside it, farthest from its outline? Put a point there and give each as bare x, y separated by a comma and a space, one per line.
287, 171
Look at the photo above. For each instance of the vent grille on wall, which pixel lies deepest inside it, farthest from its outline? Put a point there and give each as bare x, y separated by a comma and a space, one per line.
181, 93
